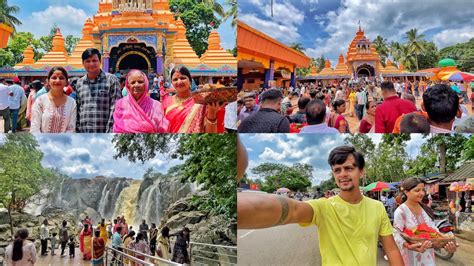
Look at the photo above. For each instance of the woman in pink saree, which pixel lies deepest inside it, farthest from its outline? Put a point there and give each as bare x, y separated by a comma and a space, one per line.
137, 112
186, 116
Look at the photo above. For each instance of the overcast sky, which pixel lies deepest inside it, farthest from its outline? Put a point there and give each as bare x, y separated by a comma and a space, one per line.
90, 155
326, 27
38, 16
312, 149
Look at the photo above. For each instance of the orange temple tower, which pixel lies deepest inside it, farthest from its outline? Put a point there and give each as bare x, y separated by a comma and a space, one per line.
132, 34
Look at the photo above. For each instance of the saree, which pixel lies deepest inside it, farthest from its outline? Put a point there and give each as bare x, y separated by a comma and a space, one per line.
98, 248
188, 116
142, 116
85, 244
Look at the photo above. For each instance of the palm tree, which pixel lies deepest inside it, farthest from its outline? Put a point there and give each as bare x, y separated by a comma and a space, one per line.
406, 57
395, 50
298, 47
216, 7
415, 43
6, 14
382, 48
232, 12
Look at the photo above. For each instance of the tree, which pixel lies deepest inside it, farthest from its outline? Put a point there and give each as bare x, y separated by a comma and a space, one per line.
209, 160
415, 44
468, 151
298, 47
71, 43
6, 58
296, 177
21, 174
216, 7
382, 48
406, 57
198, 18
463, 53
232, 12
320, 62
6, 14
430, 57
449, 149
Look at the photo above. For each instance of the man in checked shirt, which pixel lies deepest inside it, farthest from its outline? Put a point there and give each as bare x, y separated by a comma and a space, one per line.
97, 93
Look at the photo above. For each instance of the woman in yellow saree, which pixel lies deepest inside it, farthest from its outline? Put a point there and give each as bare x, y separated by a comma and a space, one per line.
85, 242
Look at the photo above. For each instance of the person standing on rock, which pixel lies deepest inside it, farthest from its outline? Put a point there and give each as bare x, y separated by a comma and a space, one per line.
63, 237
21, 251
144, 230
44, 235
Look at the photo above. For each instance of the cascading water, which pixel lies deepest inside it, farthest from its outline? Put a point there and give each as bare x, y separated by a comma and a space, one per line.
103, 200
126, 204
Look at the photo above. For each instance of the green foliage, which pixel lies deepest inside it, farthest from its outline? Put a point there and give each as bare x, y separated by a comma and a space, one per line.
415, 44
468, 151
21, 174
381, 47
463, 53
328, 184
6, 58
209, 160
320, 62
296, 177
199, 19
6, 14
232, 12
449, 148
71, 43
430, 57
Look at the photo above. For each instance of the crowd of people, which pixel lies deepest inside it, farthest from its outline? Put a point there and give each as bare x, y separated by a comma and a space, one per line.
93, 240
100, 102
379, 106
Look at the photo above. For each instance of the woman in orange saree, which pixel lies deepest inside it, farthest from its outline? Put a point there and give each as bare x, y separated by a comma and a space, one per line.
186, 116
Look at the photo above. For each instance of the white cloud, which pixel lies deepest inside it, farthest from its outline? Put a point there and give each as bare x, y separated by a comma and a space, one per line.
69, 19
269, 154
283, 33
453, 36
157, 162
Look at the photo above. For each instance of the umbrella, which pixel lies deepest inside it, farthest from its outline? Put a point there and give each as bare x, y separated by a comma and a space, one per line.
458, 76
283, 190
377, 186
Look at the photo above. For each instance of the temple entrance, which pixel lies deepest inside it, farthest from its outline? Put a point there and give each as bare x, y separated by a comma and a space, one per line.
365, 71
133, 60
132, 56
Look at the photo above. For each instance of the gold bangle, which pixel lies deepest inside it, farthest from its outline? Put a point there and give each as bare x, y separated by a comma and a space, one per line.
211, 122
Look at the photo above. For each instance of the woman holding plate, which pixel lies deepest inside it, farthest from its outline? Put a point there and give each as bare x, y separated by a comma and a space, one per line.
184, 114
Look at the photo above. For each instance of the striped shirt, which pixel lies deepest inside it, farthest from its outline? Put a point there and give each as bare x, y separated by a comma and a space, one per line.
96, 103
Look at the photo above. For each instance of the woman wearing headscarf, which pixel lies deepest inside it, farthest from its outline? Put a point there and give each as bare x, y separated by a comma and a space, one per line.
21, 252
137, 112
186, 116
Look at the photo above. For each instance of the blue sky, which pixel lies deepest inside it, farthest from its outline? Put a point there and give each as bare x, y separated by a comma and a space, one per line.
38, 16
90, 155
312, 149
326, 27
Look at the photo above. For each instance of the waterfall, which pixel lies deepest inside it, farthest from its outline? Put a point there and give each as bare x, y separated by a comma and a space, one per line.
103, 200
127, 202
59, 199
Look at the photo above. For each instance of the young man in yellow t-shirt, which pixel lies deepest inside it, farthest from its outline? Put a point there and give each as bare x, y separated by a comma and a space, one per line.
349, 224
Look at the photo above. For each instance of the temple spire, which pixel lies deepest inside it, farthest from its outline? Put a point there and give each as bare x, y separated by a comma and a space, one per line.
360, 29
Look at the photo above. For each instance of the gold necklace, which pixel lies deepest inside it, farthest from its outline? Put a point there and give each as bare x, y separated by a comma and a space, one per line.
181, 101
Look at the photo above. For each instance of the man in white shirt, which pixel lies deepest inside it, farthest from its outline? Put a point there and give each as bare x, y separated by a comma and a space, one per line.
17, 94
4, 105
230, 118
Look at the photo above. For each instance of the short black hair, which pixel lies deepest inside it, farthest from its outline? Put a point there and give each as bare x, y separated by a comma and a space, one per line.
339, 155
312, 93
303, 102
89, 52
441, 103
271, 95
315, 112
387, 86
414, 123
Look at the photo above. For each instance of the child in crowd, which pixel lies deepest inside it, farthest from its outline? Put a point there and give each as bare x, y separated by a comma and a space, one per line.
54, 240
72, 247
